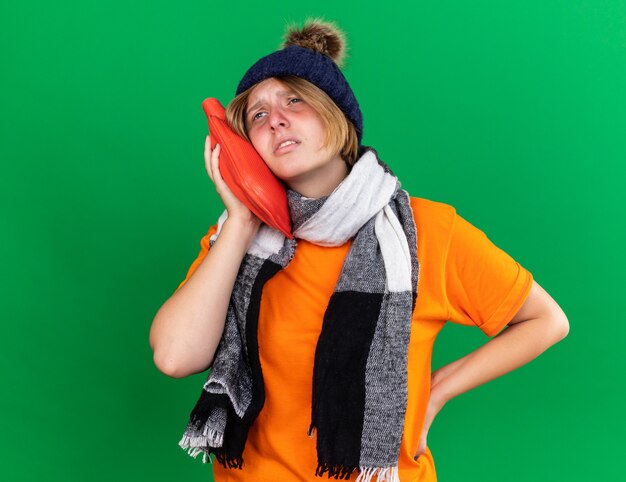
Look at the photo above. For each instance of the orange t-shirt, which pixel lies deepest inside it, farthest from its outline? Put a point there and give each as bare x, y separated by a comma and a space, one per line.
463, 278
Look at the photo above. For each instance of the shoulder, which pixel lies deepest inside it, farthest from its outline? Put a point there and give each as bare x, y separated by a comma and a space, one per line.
432, 215
428, 206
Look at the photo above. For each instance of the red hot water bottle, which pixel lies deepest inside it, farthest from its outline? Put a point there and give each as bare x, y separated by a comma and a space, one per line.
245, 172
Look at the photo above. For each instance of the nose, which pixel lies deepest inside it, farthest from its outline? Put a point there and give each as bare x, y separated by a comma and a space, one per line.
277, 119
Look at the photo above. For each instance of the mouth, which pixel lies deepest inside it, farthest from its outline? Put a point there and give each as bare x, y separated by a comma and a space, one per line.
286, 145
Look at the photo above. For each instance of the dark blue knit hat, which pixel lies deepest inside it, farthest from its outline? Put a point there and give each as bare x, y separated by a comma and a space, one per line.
308, 64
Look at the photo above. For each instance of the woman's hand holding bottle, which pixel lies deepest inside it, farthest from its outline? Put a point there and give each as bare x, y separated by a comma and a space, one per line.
237, 211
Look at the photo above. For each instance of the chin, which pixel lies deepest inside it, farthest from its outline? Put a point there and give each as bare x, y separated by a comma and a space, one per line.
290, 177
291, 171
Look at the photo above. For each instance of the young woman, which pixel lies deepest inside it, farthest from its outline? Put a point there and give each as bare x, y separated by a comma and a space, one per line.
320, 346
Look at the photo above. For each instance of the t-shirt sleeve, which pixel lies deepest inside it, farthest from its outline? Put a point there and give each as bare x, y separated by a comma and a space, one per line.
205, 245
484, 285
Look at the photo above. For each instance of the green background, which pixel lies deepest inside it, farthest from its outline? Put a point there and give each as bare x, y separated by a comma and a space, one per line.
513, 112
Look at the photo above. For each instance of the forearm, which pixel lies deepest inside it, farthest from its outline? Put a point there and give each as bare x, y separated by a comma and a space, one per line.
536, 326
187, 328
515, 346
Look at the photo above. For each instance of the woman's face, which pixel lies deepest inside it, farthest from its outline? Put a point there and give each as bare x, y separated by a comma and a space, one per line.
289, 135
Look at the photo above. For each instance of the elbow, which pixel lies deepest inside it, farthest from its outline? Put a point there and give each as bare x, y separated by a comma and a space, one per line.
165, 357
175, 355
167, 365
170, 366
563, 329
559, 326
177, 364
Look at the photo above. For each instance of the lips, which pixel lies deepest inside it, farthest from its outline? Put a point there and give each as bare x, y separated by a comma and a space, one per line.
285, 144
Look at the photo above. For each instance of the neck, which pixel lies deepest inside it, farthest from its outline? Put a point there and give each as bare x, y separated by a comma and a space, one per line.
322, 181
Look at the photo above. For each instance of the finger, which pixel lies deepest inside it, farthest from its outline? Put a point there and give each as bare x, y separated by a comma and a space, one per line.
207, 145
420, 449
207, 157
215, 163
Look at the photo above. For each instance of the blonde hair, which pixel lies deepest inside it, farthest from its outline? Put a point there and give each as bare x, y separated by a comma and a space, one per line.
341, 135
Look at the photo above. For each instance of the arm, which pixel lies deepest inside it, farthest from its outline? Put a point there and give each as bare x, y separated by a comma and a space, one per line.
539, 324
187, 328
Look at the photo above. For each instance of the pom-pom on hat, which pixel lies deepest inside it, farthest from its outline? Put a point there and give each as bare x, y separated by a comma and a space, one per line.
312, 53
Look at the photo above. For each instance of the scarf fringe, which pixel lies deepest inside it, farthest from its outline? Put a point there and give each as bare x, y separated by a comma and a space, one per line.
209, 438
388, 474
195, 446
229, 462
195, 451
340, 472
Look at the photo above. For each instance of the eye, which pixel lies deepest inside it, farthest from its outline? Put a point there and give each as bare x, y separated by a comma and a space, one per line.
258, 115
294, 100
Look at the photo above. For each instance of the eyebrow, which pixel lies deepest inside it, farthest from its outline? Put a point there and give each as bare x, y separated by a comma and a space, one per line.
282, 93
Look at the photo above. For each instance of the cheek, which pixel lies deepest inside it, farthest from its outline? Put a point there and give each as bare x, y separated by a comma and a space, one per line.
255, 139
317, 130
